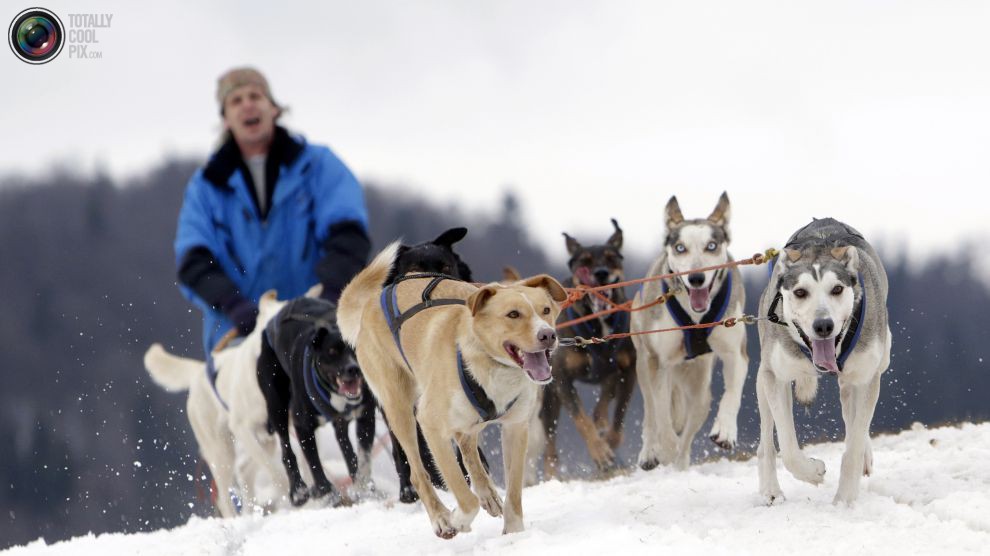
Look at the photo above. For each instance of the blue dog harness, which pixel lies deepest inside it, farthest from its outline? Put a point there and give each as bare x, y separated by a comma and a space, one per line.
696, 339
395, 318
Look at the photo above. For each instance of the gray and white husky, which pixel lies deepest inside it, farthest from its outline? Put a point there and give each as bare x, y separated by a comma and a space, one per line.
826, 309
675, 370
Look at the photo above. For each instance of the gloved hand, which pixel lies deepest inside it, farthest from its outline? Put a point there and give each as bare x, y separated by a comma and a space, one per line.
243, 313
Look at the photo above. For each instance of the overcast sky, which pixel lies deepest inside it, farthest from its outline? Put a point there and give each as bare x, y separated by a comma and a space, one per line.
873, 112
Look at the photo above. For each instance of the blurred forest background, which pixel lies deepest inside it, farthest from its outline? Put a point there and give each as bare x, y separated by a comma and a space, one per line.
88, 283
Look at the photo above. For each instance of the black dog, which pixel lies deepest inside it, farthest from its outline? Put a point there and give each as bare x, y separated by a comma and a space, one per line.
612, 364
431, 257
434, 257
306, 368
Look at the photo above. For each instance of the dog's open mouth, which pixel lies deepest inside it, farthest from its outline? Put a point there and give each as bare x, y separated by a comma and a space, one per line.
351, 388
822, 352
700, 298
536, 364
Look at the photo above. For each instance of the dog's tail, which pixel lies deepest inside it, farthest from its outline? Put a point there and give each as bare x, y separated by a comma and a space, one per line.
171, 372
363, 289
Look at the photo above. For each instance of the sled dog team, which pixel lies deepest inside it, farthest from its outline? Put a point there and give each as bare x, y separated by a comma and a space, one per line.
444, 358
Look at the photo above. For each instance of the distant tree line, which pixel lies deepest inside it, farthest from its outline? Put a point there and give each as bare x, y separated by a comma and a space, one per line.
88, 283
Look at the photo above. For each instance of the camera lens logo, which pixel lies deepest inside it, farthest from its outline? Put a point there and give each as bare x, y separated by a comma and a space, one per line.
36, 35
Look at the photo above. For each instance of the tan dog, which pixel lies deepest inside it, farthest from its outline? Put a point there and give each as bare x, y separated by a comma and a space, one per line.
505, 335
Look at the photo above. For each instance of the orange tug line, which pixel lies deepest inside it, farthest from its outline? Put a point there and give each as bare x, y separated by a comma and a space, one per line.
574, 294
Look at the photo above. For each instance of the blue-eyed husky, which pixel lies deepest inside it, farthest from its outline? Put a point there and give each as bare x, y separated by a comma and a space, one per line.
675, 370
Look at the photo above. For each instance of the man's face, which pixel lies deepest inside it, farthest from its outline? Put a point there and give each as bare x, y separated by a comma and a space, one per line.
250, 116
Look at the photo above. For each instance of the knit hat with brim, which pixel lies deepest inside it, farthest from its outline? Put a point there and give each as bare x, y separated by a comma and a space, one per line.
239, 77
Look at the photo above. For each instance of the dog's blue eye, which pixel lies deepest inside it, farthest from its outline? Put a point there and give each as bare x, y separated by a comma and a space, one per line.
680, 248
711, 246
513, 314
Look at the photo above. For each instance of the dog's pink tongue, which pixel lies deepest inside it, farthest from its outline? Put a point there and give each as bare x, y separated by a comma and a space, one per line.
823, 354
350, 388
537, 366
584, 275
699, 298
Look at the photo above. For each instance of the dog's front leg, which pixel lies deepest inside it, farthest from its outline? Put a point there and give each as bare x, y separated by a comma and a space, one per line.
863, 398
600, 452
346, 449
647, 374
450, 470
366, 441
480, 480
514, 440
306, 433
767, 451
781, 402
624, 386
735, 364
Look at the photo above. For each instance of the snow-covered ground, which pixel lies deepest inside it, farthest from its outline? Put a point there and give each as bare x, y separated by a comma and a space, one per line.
930, 493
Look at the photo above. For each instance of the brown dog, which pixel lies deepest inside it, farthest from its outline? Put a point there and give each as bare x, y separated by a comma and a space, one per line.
610, 366
469, 357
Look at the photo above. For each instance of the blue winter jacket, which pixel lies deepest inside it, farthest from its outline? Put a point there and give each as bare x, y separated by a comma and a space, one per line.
312, 193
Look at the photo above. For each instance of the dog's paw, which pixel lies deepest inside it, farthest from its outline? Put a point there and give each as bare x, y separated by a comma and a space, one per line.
365, 491
512, 526
461, 520
809, 470
846, 495
602, 455
614, 439
490, 501
329, 496
442, 526
723, 434
649, 458
299, 494
772, 498
408, 495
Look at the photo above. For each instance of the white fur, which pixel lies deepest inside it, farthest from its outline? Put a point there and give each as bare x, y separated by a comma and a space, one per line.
819, 303
859, 385
676, 391
695, 238
234, 441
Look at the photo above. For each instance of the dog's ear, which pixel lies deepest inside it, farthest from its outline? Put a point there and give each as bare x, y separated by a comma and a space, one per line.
510, 274
476, 301
793, 255
451, 236
572, 244
549, 283
615, 242
720, 216
673, 213
849, 255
